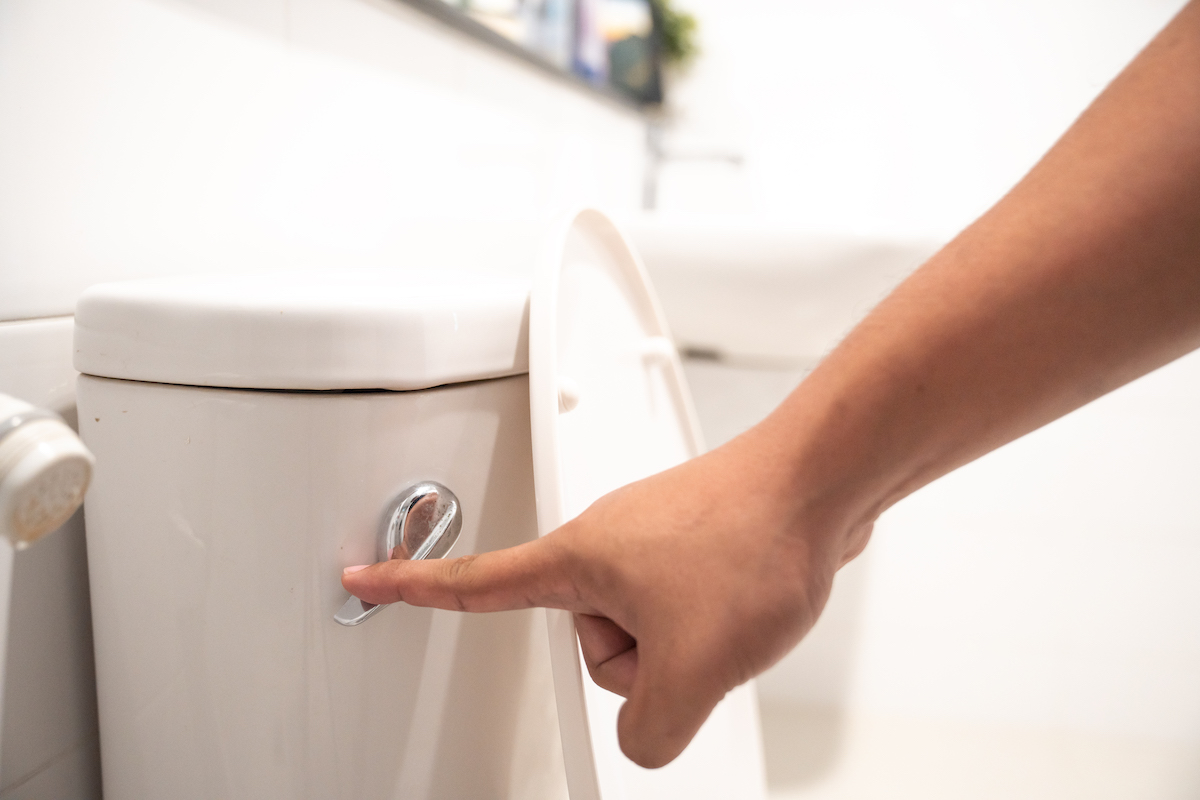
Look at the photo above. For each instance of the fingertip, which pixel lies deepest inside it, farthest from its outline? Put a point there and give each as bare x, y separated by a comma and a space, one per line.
351, 580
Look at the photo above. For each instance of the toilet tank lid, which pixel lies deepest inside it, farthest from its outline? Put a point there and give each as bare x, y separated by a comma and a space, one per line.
395, 329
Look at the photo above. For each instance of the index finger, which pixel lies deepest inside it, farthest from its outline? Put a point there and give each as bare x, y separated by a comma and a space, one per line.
533, 574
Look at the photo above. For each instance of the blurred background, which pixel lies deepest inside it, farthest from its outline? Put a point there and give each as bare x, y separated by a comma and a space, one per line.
1026, 627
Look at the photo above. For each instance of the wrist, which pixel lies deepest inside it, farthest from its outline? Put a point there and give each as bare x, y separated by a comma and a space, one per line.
822, 474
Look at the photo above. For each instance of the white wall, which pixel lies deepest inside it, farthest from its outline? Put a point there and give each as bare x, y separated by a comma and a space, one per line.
142, 137
905, 117
150, 136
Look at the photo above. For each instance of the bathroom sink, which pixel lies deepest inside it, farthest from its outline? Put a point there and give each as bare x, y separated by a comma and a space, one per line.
765, 292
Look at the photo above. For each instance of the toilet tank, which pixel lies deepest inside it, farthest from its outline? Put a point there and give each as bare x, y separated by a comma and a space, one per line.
250, 432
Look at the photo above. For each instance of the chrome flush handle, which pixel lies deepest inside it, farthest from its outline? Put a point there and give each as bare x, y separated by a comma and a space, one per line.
422, 522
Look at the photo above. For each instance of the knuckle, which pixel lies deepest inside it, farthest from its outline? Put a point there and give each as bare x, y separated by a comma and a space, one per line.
565, 566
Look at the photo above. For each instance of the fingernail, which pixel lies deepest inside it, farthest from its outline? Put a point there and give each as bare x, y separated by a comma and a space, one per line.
348, 570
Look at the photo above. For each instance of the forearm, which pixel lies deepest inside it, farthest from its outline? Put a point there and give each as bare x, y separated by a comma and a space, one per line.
1084, 277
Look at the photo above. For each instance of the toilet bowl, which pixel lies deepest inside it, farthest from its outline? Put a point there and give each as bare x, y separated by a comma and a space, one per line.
255, 434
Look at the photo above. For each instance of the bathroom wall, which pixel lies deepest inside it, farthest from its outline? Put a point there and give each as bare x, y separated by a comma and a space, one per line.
148, 137
886, 117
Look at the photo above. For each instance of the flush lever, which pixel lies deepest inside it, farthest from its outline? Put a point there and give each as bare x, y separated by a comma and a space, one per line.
421, 522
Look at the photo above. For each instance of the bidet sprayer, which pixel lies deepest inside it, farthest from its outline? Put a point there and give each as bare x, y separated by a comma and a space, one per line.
44, 471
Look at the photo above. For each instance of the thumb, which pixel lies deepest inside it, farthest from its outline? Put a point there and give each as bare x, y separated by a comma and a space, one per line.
672, 696
531, 574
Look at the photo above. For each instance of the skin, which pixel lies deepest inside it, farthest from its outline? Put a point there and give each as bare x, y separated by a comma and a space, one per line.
1084, 277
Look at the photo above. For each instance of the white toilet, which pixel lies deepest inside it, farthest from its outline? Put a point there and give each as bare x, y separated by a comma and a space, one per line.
256, 434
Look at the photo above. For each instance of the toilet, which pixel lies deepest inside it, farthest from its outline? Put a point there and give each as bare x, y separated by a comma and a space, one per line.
254, 434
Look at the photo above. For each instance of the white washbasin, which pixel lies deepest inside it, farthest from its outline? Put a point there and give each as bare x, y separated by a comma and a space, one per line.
763, 291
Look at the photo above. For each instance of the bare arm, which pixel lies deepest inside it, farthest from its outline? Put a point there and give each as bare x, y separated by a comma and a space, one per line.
1084, 277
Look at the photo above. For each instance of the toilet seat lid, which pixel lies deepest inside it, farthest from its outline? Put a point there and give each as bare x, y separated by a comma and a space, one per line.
609, 405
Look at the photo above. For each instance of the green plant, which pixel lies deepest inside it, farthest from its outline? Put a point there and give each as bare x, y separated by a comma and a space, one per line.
677, 33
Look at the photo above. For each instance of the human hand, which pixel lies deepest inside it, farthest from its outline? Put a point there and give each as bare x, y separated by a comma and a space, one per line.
684, 585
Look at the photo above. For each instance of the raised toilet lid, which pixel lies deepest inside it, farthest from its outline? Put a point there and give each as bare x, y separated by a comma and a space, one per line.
609, 405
